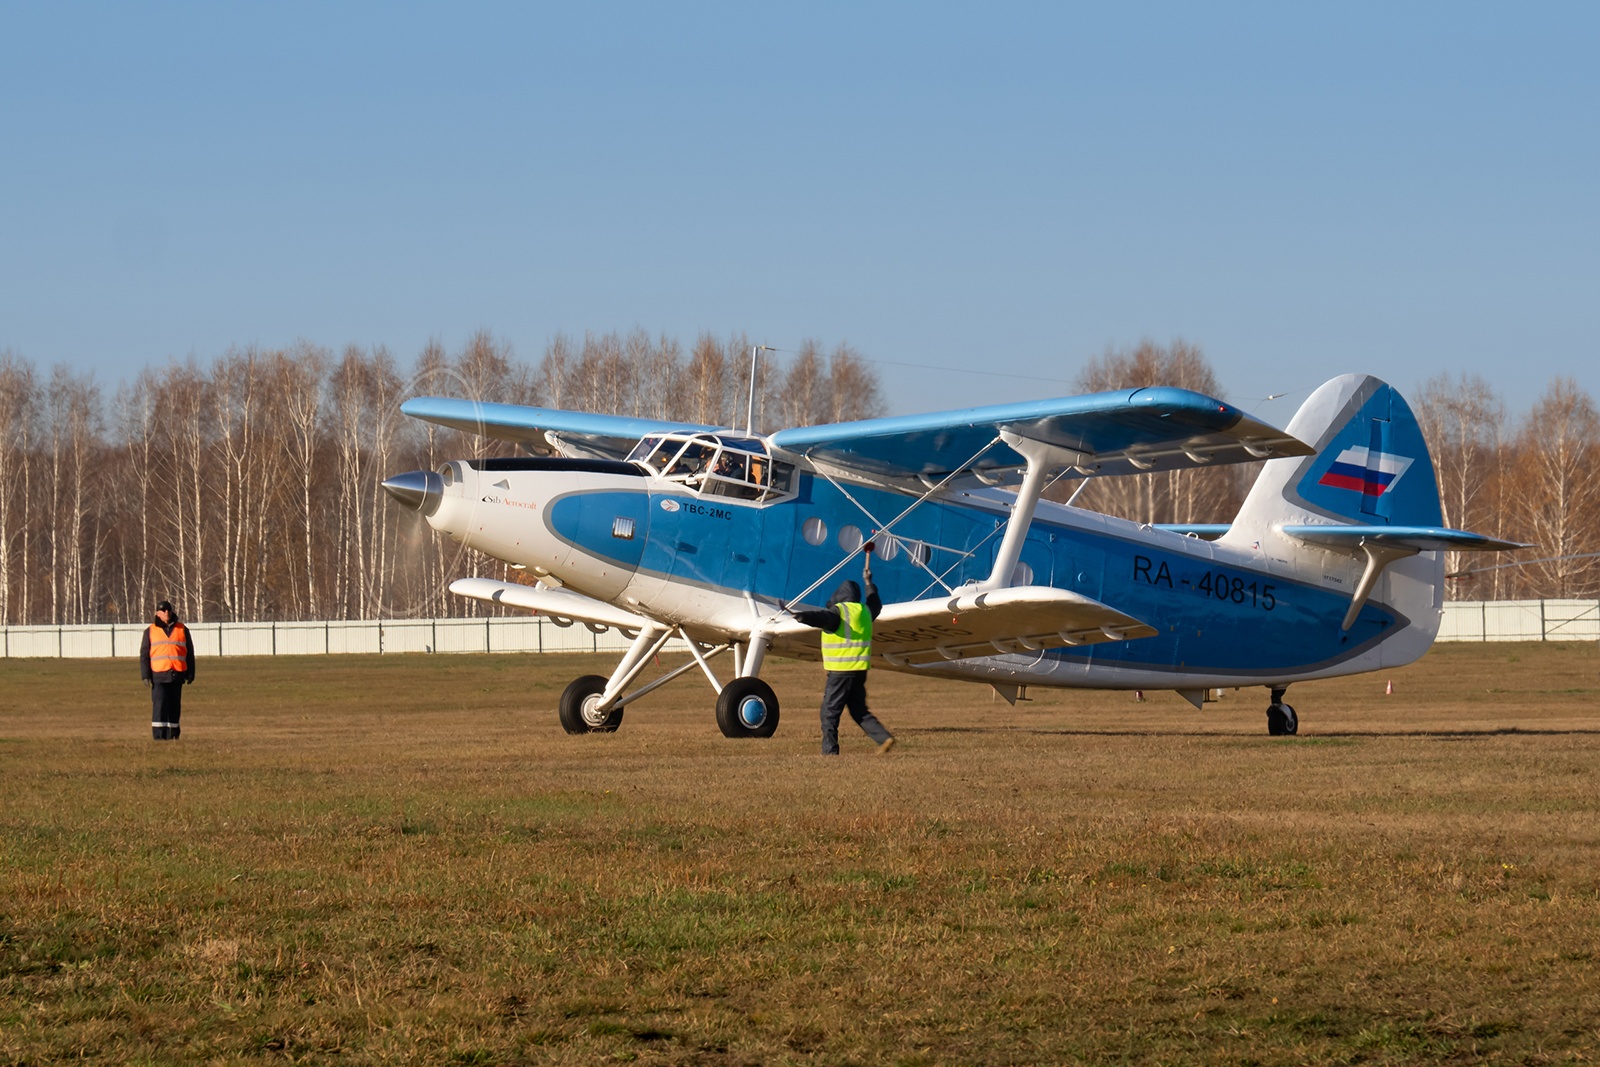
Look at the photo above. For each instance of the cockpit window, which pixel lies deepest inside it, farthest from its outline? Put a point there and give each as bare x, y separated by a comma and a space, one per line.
644, 449
737, 467
692, 461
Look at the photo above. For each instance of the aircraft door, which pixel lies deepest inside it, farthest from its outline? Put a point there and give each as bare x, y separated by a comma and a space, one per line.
709, 542
1079, 568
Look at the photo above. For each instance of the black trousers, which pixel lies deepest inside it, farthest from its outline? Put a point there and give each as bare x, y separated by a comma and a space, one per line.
166, 707
847, 691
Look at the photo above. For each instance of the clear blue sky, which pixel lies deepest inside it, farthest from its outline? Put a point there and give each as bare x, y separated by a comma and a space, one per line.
1300, 189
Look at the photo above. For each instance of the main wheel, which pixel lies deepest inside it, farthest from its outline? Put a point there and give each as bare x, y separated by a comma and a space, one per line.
747, 707
1291, 721
580, 708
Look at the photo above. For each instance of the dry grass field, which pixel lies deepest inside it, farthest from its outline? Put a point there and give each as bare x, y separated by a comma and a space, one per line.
403, 859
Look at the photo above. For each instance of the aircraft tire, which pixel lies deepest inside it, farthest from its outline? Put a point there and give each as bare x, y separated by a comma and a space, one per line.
577, 708
747, 707
1282, 721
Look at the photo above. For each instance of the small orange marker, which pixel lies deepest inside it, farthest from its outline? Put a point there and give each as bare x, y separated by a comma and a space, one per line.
1388, 689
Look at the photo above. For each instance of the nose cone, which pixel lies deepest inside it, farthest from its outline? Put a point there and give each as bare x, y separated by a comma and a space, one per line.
418, 490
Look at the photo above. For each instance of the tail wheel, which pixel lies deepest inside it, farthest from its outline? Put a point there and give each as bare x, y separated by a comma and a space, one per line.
1282, 721
747, 707
580, 708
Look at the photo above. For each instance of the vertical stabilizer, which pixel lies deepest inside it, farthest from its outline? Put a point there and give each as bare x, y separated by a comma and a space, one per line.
1371, 467
1371, 473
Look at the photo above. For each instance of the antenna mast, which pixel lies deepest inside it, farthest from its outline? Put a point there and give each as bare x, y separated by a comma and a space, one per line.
750, 407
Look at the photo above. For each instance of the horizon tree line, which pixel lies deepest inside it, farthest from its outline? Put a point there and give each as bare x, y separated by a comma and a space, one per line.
248, 487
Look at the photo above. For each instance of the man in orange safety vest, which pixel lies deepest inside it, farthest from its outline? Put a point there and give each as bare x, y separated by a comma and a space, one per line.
166, 663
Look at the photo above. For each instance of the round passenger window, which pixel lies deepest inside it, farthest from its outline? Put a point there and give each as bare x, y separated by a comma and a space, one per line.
1022, 574
918, 551
849, 538
887, 547
815, 531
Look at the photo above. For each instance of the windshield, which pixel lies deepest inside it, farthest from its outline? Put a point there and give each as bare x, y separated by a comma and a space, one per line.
713, 465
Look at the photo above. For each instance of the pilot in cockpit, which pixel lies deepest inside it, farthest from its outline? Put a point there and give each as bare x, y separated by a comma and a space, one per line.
690, 465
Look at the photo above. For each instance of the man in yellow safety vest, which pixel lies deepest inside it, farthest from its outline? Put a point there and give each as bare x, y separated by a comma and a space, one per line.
166, 663
846, 625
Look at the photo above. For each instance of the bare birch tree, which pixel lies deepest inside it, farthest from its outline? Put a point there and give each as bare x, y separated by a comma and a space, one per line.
297, 378
852, 386
706, 380
1462, 421
662, 383
802, 399
18, 406
1558, 491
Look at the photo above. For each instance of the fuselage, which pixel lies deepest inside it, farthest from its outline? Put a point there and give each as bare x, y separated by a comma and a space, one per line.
1265, 612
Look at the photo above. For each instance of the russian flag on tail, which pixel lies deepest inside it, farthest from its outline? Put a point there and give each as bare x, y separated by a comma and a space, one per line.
1366, 471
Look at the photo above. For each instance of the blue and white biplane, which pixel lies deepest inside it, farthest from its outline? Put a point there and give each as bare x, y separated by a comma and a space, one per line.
1334, 564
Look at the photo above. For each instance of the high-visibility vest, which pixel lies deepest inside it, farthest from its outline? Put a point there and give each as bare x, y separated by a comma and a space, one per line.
169, 652
849, 648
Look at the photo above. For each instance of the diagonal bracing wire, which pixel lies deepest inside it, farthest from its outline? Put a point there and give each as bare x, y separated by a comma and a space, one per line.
884, 528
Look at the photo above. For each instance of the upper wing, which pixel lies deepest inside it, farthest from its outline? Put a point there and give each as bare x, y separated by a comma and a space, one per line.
1022, 618
1420, 538
542, 430
1122, 432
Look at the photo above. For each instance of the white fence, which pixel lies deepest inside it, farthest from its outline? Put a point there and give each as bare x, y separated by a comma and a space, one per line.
1464, 620
1521, 620
525, 634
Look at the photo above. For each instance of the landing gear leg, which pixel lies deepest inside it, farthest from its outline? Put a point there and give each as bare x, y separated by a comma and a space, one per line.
1281, 719
592, 704
746, 706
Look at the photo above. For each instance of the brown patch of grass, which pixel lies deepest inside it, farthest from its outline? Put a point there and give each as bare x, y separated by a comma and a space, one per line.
403, 858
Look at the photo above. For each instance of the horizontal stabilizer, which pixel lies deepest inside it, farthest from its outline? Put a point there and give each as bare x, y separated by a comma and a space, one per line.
1417, 538
1382, 545
1020, 619
542, 430
1128, 431
559, 604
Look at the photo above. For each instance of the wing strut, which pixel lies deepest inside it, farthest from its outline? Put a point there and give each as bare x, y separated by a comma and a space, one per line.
1042, 460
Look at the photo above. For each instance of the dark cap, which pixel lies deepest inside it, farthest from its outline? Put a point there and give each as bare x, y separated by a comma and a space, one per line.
166, 606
